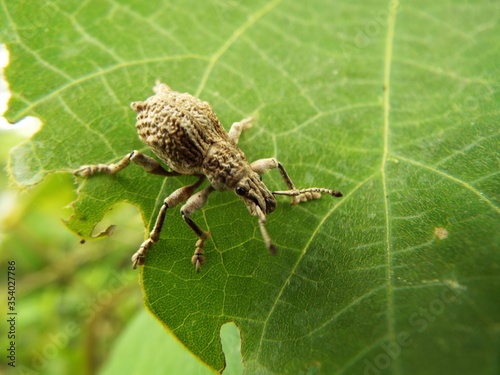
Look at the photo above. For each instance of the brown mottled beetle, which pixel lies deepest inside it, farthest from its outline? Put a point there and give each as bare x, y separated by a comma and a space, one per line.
186, 135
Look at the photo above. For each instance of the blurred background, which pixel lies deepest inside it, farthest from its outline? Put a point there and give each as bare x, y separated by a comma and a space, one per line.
60, 281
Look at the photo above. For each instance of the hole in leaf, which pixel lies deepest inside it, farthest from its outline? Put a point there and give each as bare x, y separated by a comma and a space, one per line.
231, 346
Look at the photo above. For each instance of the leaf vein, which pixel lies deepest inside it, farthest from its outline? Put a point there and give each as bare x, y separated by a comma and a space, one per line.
452, 178
304, 251
393, 9
232, 39
57, 92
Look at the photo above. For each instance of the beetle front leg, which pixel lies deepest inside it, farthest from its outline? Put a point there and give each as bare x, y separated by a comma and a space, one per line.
193, 204
171, 201
147, 163
302, 195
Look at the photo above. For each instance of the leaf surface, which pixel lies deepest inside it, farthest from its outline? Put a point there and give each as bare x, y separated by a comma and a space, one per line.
395, 104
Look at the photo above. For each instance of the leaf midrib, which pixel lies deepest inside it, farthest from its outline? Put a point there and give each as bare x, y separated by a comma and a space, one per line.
391, 334
393, 7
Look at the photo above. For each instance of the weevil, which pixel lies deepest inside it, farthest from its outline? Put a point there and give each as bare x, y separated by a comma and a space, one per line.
186, 135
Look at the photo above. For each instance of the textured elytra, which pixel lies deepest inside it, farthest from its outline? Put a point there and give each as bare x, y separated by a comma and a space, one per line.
179, 128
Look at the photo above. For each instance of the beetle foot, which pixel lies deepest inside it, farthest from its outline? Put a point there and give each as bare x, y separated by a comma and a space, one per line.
304, 197
198, 258
139, 257
84, 171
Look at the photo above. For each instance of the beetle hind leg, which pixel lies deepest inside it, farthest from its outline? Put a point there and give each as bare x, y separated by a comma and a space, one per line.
194, 203
146, 162
171, 201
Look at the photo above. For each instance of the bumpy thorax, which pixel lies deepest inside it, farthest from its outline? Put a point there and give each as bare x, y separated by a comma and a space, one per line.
179, 128
225, 165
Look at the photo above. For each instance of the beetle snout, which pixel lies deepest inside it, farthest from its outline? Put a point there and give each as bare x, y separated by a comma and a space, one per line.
265, 200
258, 199
270, 204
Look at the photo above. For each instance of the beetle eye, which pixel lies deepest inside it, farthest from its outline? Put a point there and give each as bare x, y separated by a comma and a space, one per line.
241, 190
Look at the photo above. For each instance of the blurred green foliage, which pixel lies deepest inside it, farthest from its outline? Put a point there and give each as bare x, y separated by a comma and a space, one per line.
70, 306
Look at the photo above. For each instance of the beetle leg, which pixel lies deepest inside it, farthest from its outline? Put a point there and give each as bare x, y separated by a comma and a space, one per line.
263, 231
194, 203
171, 201
303, 195
148, 163
237, 128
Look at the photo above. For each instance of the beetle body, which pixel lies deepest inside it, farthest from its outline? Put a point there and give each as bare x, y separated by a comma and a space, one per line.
186, 135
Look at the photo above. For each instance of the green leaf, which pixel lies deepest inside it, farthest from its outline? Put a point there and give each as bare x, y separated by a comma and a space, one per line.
395, 104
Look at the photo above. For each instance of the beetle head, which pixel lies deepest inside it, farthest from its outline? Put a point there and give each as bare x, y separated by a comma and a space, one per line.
255, 194
227, 168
